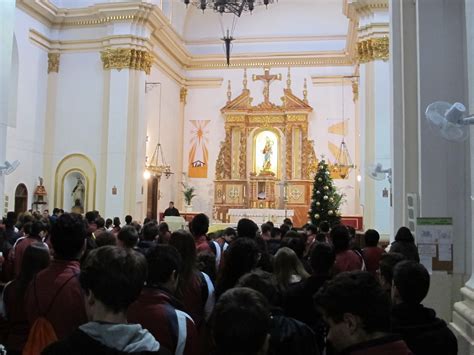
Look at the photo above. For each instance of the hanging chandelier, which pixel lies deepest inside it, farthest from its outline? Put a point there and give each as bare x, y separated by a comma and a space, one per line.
158, 167
236, 7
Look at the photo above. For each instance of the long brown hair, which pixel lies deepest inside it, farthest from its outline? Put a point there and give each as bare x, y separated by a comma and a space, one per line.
286, 264
183, 241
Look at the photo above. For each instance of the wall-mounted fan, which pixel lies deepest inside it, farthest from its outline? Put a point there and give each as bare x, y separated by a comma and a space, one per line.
7, 168
378, 173
450, 121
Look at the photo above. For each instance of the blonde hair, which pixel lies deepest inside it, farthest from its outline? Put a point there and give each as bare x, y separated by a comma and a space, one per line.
285, 265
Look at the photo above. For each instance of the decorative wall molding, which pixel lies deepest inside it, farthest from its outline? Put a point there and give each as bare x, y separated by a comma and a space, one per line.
373, 49
126, 58
183, 93
53, 62
215, 41
332, 79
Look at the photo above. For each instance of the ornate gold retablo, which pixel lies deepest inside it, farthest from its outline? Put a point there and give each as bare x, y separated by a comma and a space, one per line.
373, 49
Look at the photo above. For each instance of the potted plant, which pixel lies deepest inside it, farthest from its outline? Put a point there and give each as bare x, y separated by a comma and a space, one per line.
188, 193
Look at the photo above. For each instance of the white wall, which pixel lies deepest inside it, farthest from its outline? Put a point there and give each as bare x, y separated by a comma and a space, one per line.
25, 140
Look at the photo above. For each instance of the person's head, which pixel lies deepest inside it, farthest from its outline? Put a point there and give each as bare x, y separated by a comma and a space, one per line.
26, 228
127, 237
199, 225
241, 323
112, 279
90, 217
164, 233
35, 258
55, 211
387, 264
116, 221
324, 227
171, 205
404, 235
411, 282
322, 258
183, 241
105, 238
68, 236
311, 229
150, 231
164, 267
284, 228
285, 265
270, 223
266, 230
371, 238
100, 223
37, 229
321, 237
46, 213
246, 228
261, 281
128, 219
339, 236
276, 233
355, 307
108, 223
295, 242
229, 234
288, 222
241, 257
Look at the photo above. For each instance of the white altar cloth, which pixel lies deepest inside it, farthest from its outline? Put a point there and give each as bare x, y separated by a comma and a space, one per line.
259, 215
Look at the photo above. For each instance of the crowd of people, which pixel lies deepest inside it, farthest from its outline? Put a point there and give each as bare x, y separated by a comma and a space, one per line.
86, 285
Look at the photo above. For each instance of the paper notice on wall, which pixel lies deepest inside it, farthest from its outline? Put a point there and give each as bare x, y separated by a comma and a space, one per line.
428, 250
426, 235
445, 235
434, 230
445, 252
427, 262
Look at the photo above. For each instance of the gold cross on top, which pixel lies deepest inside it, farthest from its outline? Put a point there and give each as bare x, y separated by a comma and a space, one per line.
267, 79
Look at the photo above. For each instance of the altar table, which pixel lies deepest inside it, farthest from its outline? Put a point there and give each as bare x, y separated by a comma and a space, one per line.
259, 215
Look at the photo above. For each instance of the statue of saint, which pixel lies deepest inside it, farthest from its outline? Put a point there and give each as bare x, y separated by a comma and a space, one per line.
78, 193
267, 154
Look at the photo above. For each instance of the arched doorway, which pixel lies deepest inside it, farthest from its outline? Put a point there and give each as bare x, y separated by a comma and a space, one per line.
21, 199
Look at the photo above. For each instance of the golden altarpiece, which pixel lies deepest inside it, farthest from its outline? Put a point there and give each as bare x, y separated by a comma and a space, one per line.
266, 159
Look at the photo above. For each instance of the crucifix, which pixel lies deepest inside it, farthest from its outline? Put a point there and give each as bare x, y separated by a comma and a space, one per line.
267, 79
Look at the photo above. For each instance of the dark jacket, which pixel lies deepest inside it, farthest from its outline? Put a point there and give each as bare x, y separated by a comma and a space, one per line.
289, 336
107, 339
298, 303
390, 344
423, 332
406, 248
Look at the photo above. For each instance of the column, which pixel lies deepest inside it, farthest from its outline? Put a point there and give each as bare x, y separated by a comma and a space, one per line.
463, 314
374, 109
181, 169
7, 14
124, 130
50, 126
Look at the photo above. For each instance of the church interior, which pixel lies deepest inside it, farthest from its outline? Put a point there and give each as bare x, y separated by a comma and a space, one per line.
123, 106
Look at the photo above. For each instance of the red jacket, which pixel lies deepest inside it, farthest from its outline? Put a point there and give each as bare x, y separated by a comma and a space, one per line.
202, 244
347, 260
372, 257
159, 312
67, 312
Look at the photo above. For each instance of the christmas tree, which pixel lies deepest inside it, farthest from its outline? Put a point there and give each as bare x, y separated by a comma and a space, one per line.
325, 200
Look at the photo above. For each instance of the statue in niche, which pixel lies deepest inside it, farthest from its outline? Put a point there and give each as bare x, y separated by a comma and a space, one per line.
267, 155
78, 194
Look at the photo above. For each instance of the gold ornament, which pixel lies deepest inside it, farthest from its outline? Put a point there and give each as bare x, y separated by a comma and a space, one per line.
316, 216
319, 179
325, 197
331, 199
317, 192
330, 212
318, 203
327, 173
326, 188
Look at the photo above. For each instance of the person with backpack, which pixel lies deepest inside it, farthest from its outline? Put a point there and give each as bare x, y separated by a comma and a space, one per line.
53, 301
158, 310
112, 279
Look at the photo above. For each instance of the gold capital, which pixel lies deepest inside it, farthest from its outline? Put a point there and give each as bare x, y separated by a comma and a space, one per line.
183, 93
373, 49
126, 58
53, 62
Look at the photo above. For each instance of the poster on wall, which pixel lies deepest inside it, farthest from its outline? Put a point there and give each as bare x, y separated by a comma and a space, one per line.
198, 153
